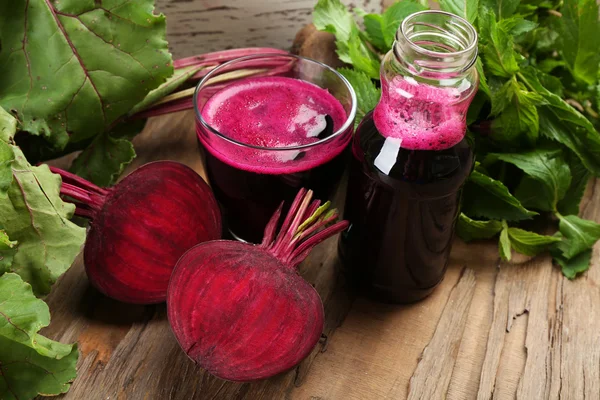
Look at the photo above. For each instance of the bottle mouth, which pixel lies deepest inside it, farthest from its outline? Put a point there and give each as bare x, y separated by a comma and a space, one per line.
437, 41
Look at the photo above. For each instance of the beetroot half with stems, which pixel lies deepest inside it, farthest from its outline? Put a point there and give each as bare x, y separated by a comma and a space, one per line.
241, 311
141, 226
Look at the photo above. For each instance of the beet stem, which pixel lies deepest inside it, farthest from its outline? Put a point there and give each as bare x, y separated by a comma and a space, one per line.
287, 233
289, 216
304, 249
94, 200
78, 181
324, 221
310, 219
84, 212
186, 102
165, 108
311, 209
311, 224
277, 66
271, 228
220, 57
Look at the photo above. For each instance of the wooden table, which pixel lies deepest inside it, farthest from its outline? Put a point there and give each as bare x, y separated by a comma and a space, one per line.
491, 330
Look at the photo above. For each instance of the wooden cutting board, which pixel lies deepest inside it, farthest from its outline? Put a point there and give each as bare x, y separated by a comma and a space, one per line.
491, 330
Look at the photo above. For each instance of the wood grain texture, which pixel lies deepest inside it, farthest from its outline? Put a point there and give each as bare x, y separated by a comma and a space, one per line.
490, 331
432, 376
530, 333
496, 331
199, 26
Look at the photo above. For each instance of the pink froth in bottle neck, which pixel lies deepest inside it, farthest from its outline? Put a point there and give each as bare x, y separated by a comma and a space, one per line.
428, 81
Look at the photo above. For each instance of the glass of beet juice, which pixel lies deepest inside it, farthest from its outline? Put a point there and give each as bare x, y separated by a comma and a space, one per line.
271, 124
410, 161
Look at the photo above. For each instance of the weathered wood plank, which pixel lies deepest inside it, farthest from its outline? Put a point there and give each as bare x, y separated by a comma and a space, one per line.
434, 371
200, 26
579, 307
525, 333
529, 332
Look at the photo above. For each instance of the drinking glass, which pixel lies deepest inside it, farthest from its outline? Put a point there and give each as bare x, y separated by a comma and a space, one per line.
251, 181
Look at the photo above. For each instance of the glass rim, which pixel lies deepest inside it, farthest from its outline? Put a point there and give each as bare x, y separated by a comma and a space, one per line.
416, 47
344, 128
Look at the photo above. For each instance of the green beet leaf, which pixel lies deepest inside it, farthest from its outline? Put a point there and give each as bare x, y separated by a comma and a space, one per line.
578, 235
332, 16
27, 374
498, 52
519, 118
598, 91
381, 28
367, 94
483, 83
8, 127
172, 83
485, 197
579, 179
501, 8
104, 160
8, 248
374, 31
559, 121
534, 194
22, 315
529, 243
576, 265
545, 39
551, 83
535, 80
31, 364
473, 113
467, 9
582, 143
548, 168
504, 244
516, 25
7, 156
501, 94
580, 37
361, 56
34, 215
393, 17
548, 65
469, 229
79, 65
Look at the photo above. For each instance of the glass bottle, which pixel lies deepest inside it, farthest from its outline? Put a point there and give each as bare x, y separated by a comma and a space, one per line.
410, 160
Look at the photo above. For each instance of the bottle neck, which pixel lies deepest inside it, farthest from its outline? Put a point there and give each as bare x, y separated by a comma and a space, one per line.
428, 81
435, 45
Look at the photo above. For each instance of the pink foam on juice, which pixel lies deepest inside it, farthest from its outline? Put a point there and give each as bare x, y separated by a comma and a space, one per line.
423, 117
272, 112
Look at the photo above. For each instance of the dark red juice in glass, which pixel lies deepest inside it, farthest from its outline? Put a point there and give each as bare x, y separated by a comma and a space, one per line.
410, 159
266, 137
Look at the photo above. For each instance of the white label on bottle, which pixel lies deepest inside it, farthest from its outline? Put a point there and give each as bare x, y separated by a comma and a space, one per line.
388, 154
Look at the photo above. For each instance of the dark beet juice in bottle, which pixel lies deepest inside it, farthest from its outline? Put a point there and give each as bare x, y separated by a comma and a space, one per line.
410, 161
